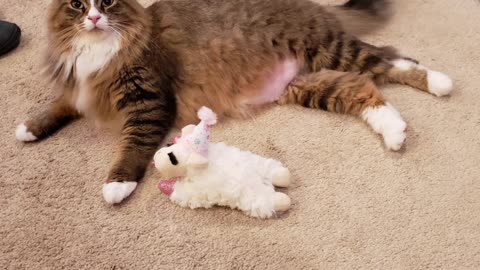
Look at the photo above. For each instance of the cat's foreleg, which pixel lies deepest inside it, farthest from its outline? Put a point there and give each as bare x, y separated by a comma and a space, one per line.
55, 116
148, 115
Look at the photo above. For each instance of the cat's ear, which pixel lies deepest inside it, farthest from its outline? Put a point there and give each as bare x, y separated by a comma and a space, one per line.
187, 130
197, 161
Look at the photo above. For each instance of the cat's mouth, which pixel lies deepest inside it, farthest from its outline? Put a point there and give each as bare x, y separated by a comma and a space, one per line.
96, 28
97, 31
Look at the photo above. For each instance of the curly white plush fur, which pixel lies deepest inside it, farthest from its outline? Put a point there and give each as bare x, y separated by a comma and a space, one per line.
237, 179
211, 174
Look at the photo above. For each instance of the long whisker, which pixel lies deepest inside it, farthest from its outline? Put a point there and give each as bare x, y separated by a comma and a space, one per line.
124, 33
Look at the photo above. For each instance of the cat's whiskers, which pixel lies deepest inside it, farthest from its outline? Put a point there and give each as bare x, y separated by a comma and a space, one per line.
124, 34
67, 36
117, 33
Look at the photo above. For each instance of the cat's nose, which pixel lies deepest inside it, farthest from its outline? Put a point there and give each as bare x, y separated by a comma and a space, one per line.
94, 18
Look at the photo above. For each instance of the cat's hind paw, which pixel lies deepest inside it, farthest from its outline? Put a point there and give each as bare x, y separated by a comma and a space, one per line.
439, 84
386, 120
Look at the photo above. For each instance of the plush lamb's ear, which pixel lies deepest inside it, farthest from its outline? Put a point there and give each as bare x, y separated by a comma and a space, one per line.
187, 130
197, 160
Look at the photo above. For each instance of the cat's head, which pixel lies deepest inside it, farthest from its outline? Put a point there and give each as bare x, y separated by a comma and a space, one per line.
70, 19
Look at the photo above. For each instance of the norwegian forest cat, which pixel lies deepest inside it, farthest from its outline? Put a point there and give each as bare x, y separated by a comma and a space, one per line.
150, 69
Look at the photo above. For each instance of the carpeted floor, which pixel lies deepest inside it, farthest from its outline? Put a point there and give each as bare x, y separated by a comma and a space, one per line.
356, 205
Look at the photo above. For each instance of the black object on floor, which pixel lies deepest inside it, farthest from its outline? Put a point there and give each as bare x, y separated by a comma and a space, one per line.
9, 37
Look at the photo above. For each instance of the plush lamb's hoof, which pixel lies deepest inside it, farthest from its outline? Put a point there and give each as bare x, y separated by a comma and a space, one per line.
115, 192
281, 202
281, 177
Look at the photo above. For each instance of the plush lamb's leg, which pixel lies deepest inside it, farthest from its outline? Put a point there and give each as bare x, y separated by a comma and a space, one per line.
264, 203
189, 194
273, 170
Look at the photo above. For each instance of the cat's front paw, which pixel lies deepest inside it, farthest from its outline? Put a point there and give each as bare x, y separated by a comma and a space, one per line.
23, 134
115, 192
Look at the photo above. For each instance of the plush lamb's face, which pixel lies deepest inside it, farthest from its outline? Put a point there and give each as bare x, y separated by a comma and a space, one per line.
176, 160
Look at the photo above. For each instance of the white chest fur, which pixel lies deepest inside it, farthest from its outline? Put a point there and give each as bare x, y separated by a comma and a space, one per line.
92, 54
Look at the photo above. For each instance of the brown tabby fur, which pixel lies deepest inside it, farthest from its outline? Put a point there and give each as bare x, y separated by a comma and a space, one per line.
176, 56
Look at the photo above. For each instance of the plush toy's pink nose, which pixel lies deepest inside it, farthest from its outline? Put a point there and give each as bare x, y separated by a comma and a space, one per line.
166, 186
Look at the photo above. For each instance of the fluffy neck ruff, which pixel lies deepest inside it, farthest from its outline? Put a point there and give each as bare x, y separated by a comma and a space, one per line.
76, 56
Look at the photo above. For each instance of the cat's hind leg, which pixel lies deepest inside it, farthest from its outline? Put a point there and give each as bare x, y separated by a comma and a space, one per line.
409, 72
344, 52
349, 93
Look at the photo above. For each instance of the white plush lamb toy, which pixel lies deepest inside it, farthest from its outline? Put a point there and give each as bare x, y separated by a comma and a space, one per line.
203, 174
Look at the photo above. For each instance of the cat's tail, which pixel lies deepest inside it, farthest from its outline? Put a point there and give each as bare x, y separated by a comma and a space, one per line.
360, 17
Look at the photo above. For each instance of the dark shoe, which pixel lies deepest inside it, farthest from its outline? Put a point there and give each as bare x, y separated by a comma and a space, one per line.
9, 37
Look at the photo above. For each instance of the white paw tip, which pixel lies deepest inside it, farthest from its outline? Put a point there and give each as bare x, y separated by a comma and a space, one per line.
115, 192
395, 140
439, 84
281, 177
387, 121
23, 134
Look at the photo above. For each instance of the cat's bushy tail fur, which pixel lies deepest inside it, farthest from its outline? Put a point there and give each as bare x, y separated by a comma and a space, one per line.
360, 17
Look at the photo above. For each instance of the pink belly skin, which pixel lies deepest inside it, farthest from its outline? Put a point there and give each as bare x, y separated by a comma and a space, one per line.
276, 82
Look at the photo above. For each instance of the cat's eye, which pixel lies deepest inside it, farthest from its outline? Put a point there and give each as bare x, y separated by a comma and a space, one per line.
107, 3
77, 4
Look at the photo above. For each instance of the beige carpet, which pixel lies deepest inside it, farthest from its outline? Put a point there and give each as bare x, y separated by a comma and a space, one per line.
356, 205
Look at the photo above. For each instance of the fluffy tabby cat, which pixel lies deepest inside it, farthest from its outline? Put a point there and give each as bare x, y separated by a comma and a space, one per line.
150, 69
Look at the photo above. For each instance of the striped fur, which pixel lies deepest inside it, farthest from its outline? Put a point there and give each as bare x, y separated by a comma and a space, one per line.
340, 92
350, 70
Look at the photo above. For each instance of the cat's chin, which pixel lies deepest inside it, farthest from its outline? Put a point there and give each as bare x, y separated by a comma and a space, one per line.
98, 34
97, 31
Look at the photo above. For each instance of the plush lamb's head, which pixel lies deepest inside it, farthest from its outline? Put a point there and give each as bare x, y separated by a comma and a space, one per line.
175, 160
190, 151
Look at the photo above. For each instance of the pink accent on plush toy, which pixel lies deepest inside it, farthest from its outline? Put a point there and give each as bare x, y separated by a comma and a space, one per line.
207, 116
167, 186
198, 140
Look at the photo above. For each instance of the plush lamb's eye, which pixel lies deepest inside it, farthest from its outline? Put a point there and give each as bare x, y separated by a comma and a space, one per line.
77, 4
173, 158
107, 3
